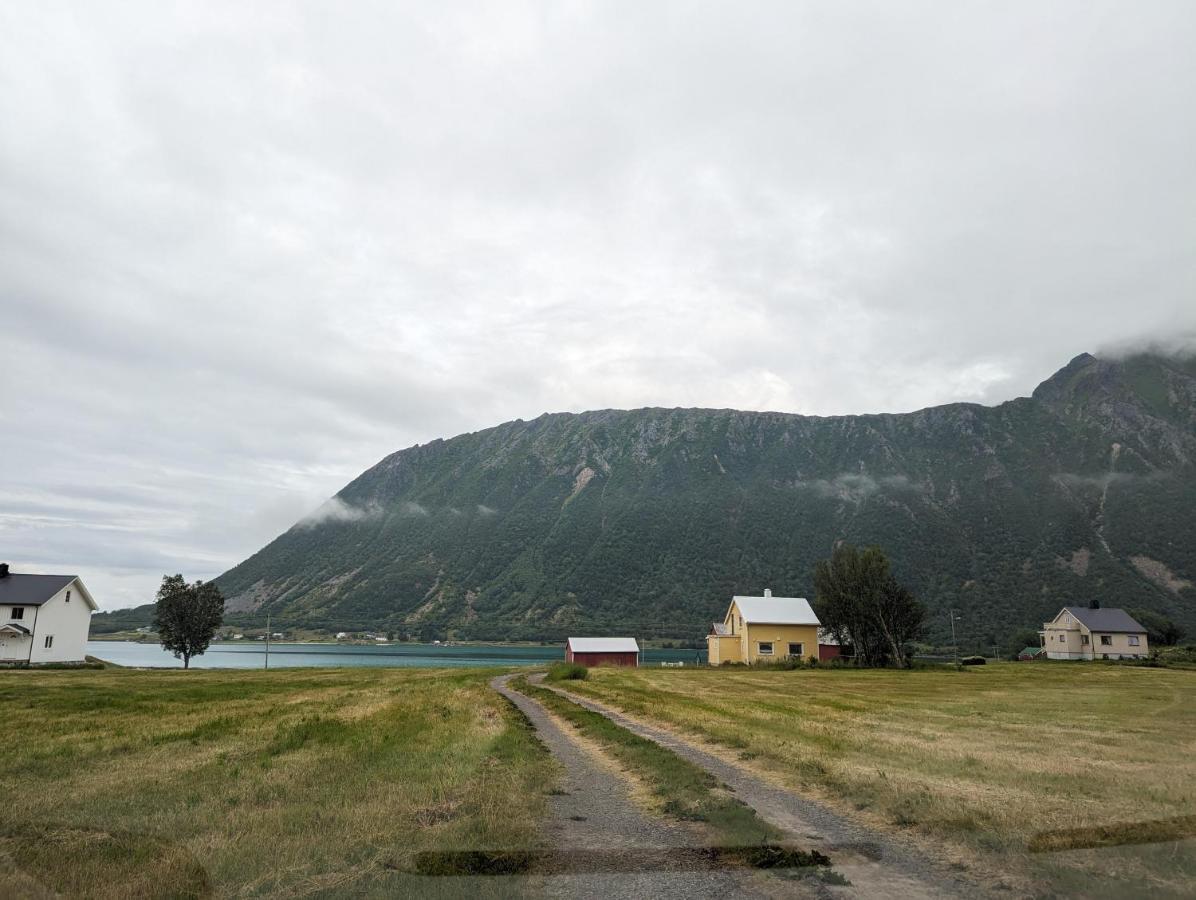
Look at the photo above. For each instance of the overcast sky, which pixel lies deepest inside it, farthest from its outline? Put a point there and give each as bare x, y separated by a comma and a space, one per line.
247, 249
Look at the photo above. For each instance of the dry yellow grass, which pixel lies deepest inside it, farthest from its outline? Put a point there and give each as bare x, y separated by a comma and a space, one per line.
986, 759
296, 782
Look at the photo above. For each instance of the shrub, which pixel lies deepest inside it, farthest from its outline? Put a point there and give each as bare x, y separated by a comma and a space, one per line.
565, 671
973, 661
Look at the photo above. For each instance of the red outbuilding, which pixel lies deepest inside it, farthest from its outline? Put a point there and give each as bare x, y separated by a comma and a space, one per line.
603, 651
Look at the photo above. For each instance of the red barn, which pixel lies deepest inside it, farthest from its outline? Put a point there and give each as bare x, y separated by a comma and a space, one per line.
602, 651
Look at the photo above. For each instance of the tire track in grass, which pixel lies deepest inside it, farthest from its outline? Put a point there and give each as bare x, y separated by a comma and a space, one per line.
606, 847
875, 865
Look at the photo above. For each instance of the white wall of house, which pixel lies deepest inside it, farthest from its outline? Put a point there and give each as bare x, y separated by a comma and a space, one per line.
60, 627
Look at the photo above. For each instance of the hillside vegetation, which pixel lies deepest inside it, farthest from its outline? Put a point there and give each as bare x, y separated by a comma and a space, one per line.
647, 521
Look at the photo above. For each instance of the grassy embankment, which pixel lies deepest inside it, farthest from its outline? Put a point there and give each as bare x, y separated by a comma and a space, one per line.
1001, 759
296, 782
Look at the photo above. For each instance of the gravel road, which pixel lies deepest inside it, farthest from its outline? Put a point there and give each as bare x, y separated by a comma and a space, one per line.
605, 846
877, 865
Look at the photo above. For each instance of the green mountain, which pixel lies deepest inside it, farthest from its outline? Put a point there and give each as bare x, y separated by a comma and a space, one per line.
647, 521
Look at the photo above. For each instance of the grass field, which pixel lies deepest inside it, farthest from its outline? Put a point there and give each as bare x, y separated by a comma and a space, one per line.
293, 782
988, 759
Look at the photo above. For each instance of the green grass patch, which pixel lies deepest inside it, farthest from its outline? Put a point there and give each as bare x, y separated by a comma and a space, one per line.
566, 671
988, 759
290, 782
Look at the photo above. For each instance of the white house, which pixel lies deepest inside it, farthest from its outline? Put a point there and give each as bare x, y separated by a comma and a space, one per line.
43, 618
1081, 633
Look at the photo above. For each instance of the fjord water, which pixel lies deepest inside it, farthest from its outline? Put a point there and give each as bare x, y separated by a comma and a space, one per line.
252, 655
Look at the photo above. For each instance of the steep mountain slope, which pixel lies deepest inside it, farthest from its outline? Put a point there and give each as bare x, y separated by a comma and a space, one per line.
647, 521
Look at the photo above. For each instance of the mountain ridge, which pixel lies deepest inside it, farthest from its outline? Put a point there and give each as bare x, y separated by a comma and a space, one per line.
649, 519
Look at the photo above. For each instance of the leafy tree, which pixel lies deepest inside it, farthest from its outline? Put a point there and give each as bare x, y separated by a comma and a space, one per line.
860, 602
187, 616
1160, 631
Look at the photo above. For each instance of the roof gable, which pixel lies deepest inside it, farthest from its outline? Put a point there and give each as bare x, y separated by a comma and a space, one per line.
1105, 619
775, 610
34, 590
603, 645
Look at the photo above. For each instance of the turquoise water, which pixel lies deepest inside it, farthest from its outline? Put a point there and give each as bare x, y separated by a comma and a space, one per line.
252, 655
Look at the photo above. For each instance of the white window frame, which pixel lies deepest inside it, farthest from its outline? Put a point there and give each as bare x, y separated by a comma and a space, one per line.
49, 642
1134, 641
760, 645
18, 612
1106, 640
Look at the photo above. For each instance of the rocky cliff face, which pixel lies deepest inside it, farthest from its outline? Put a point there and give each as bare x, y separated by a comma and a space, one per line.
646, 521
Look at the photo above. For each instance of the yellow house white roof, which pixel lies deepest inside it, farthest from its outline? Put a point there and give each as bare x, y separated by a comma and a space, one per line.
770, 610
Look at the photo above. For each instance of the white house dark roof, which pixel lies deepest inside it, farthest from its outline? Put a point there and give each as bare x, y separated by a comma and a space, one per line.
31, 590
776, 610
603, 645
1117, 620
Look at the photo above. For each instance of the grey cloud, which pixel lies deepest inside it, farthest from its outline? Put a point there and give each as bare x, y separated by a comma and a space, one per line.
231, 280
337, 510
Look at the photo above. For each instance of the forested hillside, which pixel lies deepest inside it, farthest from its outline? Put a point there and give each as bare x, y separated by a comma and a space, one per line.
647, 521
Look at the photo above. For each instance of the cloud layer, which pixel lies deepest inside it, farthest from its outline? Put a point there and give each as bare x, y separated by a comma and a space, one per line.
245, 251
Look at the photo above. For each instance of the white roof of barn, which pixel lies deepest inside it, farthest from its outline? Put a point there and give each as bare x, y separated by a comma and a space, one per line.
603, 645
776, 610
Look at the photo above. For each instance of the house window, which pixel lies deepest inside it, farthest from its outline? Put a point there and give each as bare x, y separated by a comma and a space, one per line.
1134, 642
796, 650
49, 641
1062, 638
68, 596
18, 612
1106, 640
764, 648
1084, 640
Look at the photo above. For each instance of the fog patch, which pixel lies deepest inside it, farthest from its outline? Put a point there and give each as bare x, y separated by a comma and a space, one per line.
855, 486
1179, 345
411, 508
485, 510
1104, 480
337, 510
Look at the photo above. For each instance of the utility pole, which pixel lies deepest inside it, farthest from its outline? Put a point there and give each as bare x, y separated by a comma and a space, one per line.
954, 643
268, 640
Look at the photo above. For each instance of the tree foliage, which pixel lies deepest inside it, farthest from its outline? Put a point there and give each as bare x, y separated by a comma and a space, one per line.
1160, 631
187, 616
859, 601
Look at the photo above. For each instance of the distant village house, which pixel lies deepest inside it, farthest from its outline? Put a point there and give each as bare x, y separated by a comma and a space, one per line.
603, 651
43, 618
761, 629
1081, 633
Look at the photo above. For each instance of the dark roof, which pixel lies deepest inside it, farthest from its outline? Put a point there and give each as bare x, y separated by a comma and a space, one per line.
13, 626
1106, 619
31, 590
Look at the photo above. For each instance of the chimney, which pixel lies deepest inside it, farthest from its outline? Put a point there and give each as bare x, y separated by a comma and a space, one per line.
768, 592
3, 570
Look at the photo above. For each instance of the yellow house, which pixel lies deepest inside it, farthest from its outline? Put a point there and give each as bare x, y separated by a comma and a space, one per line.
764, 628
1081, 633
